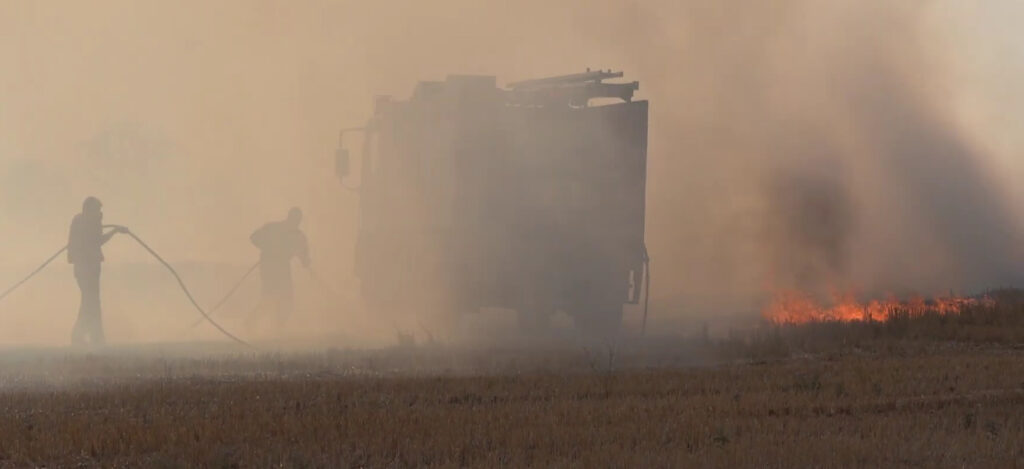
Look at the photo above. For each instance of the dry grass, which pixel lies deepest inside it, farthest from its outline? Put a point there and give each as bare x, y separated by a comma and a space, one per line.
928, 391
915, 406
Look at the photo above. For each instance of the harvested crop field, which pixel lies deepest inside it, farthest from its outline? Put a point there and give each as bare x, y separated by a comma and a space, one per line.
894, 404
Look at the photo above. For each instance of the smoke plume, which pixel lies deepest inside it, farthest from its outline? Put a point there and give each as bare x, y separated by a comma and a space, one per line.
795, 144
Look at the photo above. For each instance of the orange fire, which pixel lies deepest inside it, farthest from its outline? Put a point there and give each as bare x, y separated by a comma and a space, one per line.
794, 307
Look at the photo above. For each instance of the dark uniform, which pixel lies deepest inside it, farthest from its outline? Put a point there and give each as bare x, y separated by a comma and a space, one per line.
85, 242
279, 242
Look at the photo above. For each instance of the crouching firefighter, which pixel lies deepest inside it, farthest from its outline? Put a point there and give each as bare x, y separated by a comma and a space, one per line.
85, 242
278, 243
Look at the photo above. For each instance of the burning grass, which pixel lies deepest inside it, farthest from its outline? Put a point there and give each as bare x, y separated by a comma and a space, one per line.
803, 326
795, 307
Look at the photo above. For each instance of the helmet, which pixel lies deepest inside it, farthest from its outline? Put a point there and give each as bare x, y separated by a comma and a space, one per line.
91, 204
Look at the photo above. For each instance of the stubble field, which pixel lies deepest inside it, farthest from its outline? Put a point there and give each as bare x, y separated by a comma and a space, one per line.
889, 403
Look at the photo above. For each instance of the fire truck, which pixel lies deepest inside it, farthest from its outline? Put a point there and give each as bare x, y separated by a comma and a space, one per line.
528, 198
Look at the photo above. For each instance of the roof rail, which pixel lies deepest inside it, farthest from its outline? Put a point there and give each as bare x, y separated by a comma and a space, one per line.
588, 76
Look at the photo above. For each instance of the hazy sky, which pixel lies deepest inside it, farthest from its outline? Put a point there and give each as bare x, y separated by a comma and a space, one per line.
990, 57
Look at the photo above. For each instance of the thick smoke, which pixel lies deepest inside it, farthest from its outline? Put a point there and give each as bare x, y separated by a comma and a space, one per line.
797, 144
810, 228
817, 148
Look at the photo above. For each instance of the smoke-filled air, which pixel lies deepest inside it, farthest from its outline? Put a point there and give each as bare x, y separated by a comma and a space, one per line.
535, 233
866, 149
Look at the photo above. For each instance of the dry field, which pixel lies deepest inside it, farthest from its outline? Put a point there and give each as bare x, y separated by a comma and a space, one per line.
887, 404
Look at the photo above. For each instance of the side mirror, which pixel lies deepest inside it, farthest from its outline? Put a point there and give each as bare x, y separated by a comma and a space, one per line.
341, 163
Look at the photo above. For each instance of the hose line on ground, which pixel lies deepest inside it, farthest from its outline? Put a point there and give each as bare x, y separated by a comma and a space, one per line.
324, 285
185, 289
228, 295
317, 279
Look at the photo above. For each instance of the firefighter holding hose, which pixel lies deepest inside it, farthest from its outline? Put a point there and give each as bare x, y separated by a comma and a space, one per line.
85, 252
279, 242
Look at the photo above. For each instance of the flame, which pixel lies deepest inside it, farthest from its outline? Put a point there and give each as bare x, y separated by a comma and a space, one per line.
795, 307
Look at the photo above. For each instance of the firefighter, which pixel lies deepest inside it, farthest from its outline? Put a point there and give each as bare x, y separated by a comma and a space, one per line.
278, 243
85, 253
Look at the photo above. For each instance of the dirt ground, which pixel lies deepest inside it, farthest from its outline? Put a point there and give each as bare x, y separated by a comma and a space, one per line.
891, 405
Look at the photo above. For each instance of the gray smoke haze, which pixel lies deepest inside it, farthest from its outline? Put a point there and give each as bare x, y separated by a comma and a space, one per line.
817, 146
793, 144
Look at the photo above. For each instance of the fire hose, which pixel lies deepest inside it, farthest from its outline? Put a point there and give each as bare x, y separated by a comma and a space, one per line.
228, 295
319, 281
33, 274
206, 315
173, 272
325, 286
